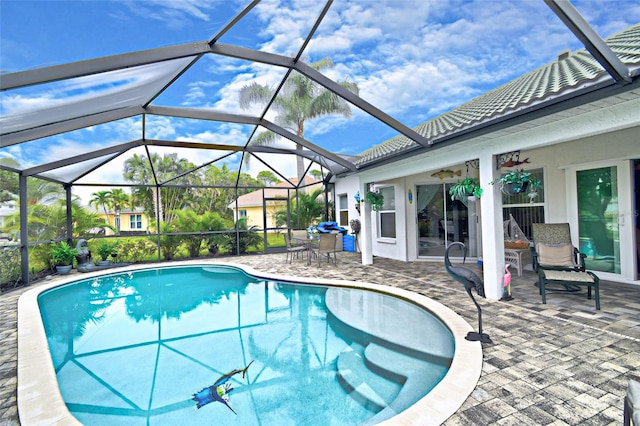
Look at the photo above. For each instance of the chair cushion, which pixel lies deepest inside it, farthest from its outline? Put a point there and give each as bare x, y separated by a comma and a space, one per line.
579, 277
555, 255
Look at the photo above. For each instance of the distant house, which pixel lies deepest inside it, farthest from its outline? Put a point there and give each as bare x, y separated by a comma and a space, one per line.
6, 210
129, 222
260, 206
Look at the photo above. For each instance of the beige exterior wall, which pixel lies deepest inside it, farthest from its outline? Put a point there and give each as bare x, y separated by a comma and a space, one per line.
125, 222
254, 214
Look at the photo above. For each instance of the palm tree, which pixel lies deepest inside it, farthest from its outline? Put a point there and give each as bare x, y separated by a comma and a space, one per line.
299, 100
48, 222
103, 199
10, 184
138, 169
119, 198
42, 192
307, 210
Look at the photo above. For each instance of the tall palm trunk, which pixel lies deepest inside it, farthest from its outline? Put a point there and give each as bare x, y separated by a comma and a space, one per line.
156, 195
299, 158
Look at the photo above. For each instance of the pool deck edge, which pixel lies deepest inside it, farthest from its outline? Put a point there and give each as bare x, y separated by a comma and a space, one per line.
40, 402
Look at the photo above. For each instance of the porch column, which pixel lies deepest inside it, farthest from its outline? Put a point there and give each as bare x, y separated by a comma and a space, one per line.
492, 234
366, 231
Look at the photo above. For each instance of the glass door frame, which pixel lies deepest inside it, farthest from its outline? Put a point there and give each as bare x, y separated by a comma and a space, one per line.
277, 203
471, 219
626, 216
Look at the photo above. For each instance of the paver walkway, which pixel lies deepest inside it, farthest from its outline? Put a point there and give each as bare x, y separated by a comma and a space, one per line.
563, 363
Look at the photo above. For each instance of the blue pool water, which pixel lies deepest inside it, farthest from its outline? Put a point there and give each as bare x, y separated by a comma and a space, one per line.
133, 348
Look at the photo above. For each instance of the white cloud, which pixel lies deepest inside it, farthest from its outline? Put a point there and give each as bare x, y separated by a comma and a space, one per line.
406, 56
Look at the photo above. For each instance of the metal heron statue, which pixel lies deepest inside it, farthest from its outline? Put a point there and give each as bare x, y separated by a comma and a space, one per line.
469, 280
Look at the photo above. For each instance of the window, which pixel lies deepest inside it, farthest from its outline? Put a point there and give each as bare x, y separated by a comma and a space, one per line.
526, 210
242, 213
135, 221
387, 215
343, 210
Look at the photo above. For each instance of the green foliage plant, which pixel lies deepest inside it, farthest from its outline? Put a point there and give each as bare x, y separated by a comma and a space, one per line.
213, 222
375, 199
62, 254
106, 249
9, 265
465, 188
169, 244
247, 237
519, 180
136, 249
198, 225
304, 211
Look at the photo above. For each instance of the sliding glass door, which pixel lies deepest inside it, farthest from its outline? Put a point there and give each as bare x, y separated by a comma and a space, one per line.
606, 198
598, 213
442, 221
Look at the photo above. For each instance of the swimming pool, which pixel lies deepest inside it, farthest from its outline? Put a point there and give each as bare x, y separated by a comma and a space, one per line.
297, 355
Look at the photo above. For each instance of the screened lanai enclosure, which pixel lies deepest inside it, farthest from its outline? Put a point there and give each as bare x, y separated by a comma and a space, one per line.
209, 146
155, 193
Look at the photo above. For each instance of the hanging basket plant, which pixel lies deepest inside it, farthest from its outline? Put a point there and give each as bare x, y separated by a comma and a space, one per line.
469, 187
517, 182
375, 199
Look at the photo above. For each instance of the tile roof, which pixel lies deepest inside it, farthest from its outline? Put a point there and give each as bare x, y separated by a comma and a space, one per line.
569, 72
254, 198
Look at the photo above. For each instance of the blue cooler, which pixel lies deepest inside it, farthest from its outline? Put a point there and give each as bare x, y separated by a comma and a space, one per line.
348, 243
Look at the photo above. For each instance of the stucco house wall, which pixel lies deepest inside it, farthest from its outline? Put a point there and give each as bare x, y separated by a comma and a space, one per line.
558, 144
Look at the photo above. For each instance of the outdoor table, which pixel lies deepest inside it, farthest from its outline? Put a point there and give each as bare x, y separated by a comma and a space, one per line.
517, 257
309, 243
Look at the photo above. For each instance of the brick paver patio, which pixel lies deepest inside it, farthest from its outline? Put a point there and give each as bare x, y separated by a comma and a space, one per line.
563, 363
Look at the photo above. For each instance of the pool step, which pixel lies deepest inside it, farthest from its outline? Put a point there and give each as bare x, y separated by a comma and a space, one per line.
368, 388
418, 373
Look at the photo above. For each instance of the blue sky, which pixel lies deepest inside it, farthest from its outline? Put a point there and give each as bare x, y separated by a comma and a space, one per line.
412, 59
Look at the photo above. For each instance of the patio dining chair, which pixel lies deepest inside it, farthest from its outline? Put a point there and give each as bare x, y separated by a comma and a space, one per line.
558, 262
294, 250
326, 246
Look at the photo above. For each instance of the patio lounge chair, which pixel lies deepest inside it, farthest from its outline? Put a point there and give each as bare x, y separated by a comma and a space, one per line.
557, 261
293, 250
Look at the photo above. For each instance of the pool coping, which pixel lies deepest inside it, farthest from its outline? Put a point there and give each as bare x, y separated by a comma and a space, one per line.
40, 401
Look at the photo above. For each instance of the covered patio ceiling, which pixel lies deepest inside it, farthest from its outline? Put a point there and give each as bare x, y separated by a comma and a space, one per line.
82, 100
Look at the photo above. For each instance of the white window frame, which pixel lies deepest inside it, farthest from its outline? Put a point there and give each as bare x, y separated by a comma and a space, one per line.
343, 200
134, 221
388, 208
508, 203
